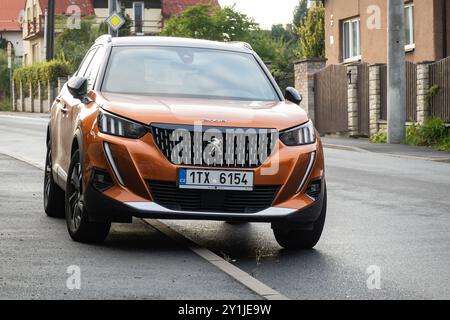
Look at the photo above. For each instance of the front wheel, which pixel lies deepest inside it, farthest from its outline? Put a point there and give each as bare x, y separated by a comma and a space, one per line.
292, 238
78, 224
53, 194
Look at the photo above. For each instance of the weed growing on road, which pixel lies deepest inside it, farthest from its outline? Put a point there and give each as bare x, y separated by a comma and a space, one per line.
380, 137
226, 257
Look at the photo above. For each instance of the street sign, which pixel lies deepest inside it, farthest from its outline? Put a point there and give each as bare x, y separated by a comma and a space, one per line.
115, 21
9, 54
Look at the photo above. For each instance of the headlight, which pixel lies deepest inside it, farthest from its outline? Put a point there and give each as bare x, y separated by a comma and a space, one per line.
117, 126
304, 134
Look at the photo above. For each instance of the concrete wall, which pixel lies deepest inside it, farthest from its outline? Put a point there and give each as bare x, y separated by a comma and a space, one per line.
427, 29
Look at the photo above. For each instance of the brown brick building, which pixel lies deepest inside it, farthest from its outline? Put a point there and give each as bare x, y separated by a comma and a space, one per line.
356, 30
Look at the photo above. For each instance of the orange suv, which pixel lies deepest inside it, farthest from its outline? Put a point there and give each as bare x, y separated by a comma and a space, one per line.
155, 127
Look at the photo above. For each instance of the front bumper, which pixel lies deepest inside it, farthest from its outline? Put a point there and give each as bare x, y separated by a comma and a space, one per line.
140, 161
101, 207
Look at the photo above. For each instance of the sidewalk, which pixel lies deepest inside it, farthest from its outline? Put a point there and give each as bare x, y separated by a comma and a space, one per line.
401, 150
25, 114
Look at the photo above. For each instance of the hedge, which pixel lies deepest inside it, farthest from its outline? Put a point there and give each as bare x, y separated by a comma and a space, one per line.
41, 72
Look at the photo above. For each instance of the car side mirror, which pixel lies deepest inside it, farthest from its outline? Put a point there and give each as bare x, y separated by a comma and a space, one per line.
293, 95
77, 87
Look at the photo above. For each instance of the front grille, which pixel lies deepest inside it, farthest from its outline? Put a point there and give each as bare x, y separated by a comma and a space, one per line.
215, 146
168, 195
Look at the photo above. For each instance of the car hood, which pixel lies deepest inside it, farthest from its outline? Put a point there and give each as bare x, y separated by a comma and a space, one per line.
226, 113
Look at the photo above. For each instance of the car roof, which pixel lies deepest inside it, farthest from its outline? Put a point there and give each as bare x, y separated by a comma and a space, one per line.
176, 42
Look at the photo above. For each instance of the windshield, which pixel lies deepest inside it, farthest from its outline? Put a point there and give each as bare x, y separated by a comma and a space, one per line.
187, 72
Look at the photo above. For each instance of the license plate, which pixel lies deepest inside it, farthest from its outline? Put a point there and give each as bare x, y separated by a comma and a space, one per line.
215, 179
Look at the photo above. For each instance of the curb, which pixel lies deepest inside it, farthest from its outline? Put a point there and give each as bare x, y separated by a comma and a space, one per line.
361, 150
231, 270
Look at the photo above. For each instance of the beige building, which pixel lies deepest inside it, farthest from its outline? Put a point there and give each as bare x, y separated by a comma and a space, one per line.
146, 16
33, 32
356, 30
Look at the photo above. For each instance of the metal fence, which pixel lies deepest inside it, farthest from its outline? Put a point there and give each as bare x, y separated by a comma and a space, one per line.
440, 84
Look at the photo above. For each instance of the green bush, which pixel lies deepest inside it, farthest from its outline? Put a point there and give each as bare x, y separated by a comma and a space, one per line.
433, 133
445, 144
5, 104
380, 137
4, 74
41, 72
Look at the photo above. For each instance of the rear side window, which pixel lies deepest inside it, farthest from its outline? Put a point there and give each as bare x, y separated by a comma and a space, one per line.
187, 72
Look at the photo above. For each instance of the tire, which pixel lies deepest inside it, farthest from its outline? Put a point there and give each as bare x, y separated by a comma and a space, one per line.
297, 239
54, 197
77, 218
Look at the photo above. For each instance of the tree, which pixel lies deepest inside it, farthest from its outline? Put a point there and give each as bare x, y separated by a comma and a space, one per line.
71, 45
300, 13
312, 34
280, 33
4, 75
232, 25
211, 23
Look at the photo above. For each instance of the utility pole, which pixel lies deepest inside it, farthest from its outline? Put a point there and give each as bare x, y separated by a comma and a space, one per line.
112, 5
9, 53
396, 99
50, 30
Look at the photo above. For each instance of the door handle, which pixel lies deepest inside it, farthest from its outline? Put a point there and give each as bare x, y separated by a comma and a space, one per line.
63, 104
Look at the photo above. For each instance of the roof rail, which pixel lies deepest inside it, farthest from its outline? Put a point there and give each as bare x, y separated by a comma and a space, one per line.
242, 44
105, 37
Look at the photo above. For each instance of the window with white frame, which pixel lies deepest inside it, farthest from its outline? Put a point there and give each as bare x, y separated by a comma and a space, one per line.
409, 26
351, 45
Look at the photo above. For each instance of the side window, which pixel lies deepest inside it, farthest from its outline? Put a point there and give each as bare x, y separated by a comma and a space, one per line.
94, 67
85, 64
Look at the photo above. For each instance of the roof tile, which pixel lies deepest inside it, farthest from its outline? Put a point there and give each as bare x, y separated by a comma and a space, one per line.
9, 15
173, 7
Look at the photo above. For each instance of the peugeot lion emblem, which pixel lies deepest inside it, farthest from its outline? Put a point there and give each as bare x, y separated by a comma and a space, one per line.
216, 146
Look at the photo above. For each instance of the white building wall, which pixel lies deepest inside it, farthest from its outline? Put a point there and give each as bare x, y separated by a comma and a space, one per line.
16, 38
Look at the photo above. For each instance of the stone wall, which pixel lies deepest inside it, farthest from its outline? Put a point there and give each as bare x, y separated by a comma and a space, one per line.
304, 81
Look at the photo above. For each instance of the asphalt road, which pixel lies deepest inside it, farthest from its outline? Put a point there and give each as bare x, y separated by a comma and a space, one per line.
384, 211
